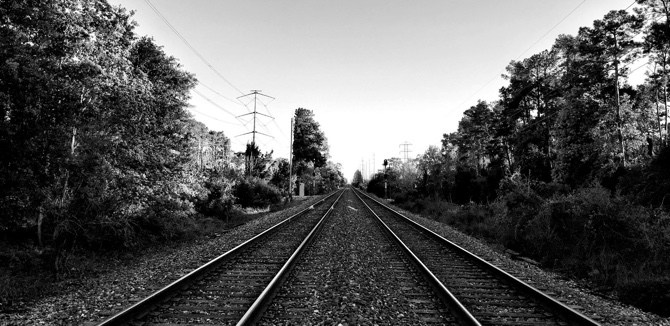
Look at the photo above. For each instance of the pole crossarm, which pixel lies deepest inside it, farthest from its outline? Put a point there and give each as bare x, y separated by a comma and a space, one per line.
254, 132
265, 115
255, 112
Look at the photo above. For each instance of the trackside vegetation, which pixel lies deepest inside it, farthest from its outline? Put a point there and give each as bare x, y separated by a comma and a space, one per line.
101, 156
569, 165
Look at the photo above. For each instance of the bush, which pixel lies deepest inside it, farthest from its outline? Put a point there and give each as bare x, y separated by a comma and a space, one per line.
649, 294
517, 205
256, 193
167, 219
220, 198
649, 185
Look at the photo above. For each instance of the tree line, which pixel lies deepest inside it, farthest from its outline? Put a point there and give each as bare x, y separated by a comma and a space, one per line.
98, 148
569, 165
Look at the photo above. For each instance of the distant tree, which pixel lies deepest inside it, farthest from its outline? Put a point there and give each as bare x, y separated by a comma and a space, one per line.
309, 142
528, 111
280, 174
611, 41
330, 176
433, 169
475, 134
357, 180
657, 45
257, 164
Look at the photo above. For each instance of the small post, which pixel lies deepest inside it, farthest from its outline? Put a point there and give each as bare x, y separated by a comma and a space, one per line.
386, 163
290, 165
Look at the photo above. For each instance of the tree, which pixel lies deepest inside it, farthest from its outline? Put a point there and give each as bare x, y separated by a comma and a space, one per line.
331, 176
93, 120
280, 175
657, 45
475, 134
528, 109
257, 164
432, 168
611, 42
309, 142
357, 180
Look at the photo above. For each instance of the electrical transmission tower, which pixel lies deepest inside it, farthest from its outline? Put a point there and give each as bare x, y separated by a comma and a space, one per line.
405, 150
255, 93
251, 160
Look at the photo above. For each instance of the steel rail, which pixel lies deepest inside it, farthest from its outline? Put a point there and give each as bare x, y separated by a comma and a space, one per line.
568, 314
147, 304
254, 314
461, 313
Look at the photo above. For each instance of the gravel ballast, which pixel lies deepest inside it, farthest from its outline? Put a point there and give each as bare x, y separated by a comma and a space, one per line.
94, 298
353, 275
606, 311
91, 299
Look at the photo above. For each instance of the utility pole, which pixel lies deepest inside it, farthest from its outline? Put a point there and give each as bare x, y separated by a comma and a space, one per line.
374, 167
290, 166
385, 183
363, 169
405, 150
255, 93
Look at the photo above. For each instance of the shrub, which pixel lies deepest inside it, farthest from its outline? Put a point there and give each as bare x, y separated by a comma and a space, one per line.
649, 185
167, 218
220, 199
649, 294
517, 205
257, 193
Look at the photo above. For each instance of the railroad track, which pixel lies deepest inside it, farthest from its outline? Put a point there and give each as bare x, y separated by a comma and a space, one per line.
294, 274
490, 295
237, 286
354, 273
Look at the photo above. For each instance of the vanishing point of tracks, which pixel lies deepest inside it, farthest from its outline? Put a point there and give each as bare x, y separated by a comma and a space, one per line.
348, 259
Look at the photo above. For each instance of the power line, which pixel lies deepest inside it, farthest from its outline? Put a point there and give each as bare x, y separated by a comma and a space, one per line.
497, 75
630, 5
549, 31
165, 20
405, 150
273, 120
255, 93
543, 36
213, 103
217, 93
632, 71
213, 118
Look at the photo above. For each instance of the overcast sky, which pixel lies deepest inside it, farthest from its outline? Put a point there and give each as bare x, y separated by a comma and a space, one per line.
376, 73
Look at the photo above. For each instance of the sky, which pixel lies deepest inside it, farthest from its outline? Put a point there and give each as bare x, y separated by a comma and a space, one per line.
375, 73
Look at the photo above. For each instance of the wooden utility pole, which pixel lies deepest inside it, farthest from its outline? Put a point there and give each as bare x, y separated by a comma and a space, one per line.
290, 165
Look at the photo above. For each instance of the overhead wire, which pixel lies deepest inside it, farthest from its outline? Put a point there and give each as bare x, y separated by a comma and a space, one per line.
219, 94
273, 120
167, 22
503, 70
202, 58
543, 36
213, 118
214, 103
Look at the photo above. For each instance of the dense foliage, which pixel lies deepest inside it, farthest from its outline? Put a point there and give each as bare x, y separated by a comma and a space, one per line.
570, 164
92, 124
310, 156
99, 150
